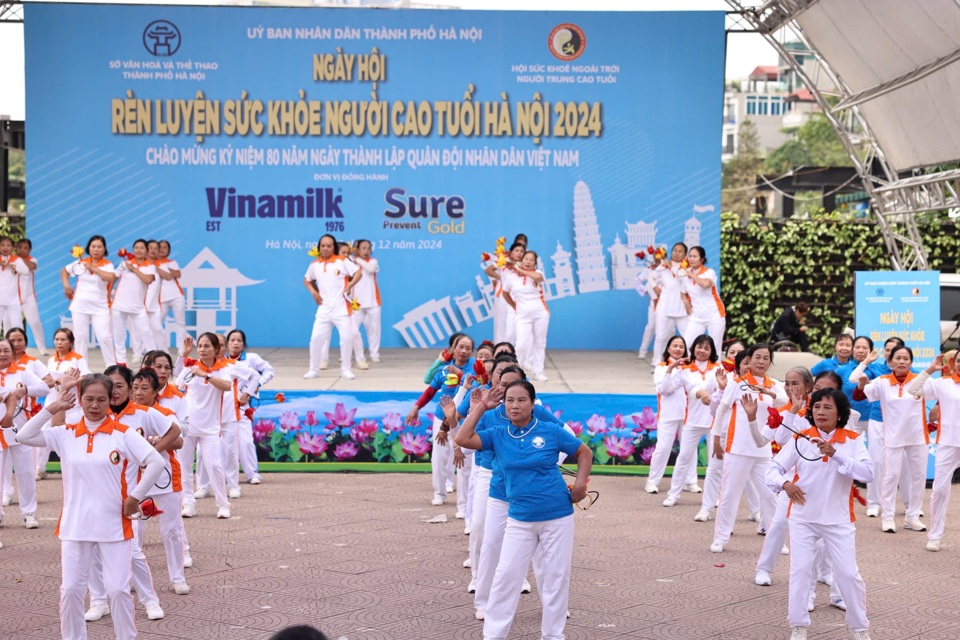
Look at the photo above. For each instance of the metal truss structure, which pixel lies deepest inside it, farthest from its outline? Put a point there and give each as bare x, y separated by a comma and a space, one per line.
897, 197
11, 12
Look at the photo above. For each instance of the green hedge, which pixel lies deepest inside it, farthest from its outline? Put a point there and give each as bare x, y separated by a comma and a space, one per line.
767, 265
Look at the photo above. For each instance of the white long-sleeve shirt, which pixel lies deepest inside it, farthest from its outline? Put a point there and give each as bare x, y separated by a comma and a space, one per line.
693, 379
904, 414
671, 397
732, 419
946, 391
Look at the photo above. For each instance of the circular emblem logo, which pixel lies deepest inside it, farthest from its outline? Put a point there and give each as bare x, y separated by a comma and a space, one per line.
567, 41
538, 442
115, 457
161, 38
915, 292
880, 292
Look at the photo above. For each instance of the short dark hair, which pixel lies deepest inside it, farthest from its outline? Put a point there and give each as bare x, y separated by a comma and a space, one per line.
299, 632
101, 239
150, 376
839, 399
900, 348
832, 375
701, 251
705, 339
13, 330
752, 349
514, 368
121, 370
666, 348
526, 385
96, 378
867, 338
151, 356
212, 337
327, 235
496, 347
27, 240
243, 336
66, 332
842, 337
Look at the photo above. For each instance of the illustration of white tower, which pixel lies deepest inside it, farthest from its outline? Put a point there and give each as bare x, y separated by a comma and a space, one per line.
691, 229
591, 266
561, 284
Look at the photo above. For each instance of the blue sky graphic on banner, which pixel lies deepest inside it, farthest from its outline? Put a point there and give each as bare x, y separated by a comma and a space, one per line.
242, 135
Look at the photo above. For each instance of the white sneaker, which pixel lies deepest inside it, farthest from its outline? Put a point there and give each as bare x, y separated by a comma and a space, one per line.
526, 586
459, 515
702, 516
375, 359
692, 487
478, 614
311, 374
785, 551
188, 511
323, 366
539, 377
466, 530
811, 601
255, 480
888, 526
346, 374
201, 493
838, 603
798, 633
642, 355
437, 502
860, 635
95, 612
472, 587
467, 564
362, 365
762, 578
30, 522
223, 513
451, 488
187, 561
933, 545
154, 612
754, 517
669, 501
716, 547
761, 530
651, 487
233, 492
181, 588
825, 579
41, 474
914, 525
7, 501
873, 512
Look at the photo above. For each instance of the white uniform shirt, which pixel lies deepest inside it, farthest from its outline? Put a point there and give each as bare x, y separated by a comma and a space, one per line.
331, 278
92, 294
705, 302
669, 303
261, 366
204, 401
692, 379
147, 421
671, 396
169, 397
366, 291
525, 291
904, 415
9, 279
733, 418
827, 482
25, 282
153, 290
169, 289
58, 366
243, 379
36, 388
946, 391
95, 480
129, 291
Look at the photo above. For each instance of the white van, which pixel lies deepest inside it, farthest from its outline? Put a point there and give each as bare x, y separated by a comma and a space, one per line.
949, 309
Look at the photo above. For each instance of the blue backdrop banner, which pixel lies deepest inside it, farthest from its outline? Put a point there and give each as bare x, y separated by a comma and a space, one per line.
902, 304
243, 134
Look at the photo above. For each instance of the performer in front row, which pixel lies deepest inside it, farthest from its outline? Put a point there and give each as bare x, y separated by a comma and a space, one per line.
95, 452
820, 491
541, 506
367, 294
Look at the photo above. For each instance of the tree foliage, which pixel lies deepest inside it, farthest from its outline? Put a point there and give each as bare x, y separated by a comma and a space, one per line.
740, 173
814, 144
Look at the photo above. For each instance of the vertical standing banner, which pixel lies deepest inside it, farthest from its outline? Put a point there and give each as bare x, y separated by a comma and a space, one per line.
243, 134
901, 304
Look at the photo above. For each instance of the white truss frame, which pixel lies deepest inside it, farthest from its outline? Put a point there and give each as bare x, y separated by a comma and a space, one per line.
896, 199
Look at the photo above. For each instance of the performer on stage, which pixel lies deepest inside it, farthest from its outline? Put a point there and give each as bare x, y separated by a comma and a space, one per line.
11, 268
367, 295
672, 315
707, 313
523, 291
171, 293
90, 303
128, 308
28, 294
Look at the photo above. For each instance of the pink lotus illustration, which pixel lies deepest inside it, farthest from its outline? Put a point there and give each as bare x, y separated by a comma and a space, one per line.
313, 445
393, 422
340, 416
577, 427
647, 454
289, 421
414, 445
311, 419
597, 425
346, 450
363, 431
646, 421
619, 447
262, 430
618, 422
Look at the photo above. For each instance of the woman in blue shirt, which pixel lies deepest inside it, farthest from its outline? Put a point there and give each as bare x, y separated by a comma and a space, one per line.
842, 348
540, 512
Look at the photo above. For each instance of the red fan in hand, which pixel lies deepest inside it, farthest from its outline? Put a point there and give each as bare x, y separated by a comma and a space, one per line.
774, 419
481, 371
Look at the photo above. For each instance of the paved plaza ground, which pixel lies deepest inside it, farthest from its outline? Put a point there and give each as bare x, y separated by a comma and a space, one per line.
351, 554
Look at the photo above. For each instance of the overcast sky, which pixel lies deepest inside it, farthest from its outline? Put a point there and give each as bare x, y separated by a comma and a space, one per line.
744, 51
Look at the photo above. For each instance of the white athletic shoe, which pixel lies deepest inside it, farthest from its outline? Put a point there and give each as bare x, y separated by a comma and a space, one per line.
254, 480
451, 488
762, 578
472, 587
860, 635
826, 579
7, 501
323, 366
437, 502
459, 515
888, 526
838, 603
702, 516
785, 551
478, 614
798, 633
526, 586
188, 510
933, 545
311, 374
642, 355
346, 374
181, 588
154, 612
41, 474
201, 493
223, 513
716, 547
539, 377
95, 612
811, 601
914, 525
651, 487
873, 512
362, 365
466, 530
375, 359
692, 487
669, 501
30, 522
467, 564
754, 517
233, 492
187, 561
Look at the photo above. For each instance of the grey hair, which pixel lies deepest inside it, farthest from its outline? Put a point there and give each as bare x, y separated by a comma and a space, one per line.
94, 378
803, 373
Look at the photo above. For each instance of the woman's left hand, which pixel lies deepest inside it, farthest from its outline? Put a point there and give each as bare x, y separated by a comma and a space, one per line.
578, 493
826, 448
131, 506
458, 457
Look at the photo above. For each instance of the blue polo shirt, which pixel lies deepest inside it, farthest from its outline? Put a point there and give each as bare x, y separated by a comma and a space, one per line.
463, 410
497, 418
440, 378
864, 407
831, 364
536, 490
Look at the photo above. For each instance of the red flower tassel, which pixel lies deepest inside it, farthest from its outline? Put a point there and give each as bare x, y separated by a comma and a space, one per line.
774, 419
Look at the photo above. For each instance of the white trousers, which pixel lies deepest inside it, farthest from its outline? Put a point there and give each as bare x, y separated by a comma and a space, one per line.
666, 435
247, 450
738, 470
531, 345
714, 479
441, 462
504, 322
666, 328
76, 559
102, 327
554, 538
142, 579
686, 464
32, 313
369, 319
481, 491
11, 315
141, 338
320, 337
171, 531
912, 461
948, 459
19, 458
713, 327
840, 545
649, 329
875, 449
155, 322
776, 535
179, 320
465, 487
229, 457
209, 456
